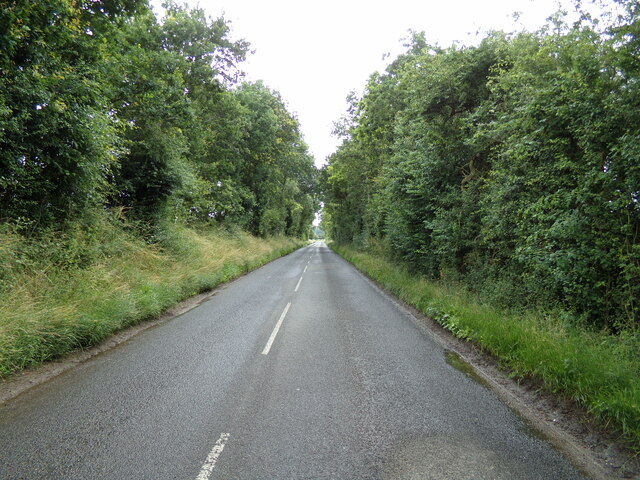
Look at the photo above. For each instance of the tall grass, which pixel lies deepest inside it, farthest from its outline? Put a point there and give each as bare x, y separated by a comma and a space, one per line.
599, 371
54, 300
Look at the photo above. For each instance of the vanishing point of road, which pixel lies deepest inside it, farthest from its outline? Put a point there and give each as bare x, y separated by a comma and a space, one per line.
301, 369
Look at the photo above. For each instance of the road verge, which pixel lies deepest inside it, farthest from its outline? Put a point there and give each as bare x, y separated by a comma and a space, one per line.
596, 371
49, 311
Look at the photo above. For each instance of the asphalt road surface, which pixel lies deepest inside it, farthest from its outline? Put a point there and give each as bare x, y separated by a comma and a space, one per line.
299, 370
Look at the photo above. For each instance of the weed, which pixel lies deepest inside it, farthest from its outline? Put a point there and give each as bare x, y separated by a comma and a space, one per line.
50, 306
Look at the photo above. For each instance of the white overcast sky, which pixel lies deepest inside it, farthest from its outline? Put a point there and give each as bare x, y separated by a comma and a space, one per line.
315, 52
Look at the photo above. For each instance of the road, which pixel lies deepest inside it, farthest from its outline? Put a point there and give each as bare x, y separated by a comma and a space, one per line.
300, 370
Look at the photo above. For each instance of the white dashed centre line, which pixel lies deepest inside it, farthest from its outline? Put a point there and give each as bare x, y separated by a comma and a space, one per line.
275, 330
298, 285
212, 458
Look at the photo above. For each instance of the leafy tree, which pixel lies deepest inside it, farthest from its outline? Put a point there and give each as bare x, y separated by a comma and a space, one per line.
510, 166
277, 167
103, 105
59, 142
171, 78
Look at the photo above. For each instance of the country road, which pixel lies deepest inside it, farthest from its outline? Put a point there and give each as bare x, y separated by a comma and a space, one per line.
301, 369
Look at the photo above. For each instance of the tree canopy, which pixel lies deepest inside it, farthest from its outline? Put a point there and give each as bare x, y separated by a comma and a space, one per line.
104, 107
510, 166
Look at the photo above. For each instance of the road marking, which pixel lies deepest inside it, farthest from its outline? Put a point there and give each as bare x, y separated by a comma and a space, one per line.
275, 330
305, 269
298, 285
212, 458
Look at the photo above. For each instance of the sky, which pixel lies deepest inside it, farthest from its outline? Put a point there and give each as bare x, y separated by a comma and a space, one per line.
315, 52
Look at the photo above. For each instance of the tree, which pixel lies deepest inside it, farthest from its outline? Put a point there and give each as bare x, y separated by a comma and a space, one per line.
510, 166
169, 78
277, 167
59, 142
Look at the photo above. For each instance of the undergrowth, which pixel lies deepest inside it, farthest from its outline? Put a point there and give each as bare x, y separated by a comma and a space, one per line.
67, 291
598, 371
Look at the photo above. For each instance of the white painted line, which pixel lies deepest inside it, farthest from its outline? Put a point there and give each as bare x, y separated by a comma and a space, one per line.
298, 285
212, 458
275, 330
305, 269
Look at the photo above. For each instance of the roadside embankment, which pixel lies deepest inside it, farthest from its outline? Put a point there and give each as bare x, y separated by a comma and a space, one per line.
600, 372
58, 295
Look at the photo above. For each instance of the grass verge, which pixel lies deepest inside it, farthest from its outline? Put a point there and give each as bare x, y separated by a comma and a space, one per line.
599, 371
49, 308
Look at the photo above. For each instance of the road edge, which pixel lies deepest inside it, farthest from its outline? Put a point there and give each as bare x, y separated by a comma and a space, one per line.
580, 456
23, 381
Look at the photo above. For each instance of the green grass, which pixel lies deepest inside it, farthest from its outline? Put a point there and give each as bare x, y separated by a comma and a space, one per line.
52, 303
598, 371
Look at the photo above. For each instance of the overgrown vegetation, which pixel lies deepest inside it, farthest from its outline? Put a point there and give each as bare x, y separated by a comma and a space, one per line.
50, 306
511, 167
128, 146
595, 370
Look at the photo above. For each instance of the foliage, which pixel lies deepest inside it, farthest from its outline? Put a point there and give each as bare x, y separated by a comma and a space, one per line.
51, 304
58, 142
278, 169
104, 105
511, 166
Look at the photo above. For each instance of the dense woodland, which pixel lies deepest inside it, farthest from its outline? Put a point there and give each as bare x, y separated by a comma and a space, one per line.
107, 112
511, 167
